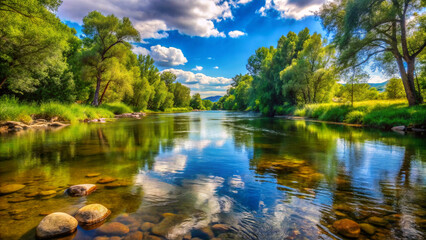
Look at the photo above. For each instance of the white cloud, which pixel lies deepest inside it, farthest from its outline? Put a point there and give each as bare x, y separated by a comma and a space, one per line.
236, 34
154, 18
244, 1
193, 78
296, 9
216, 67
139, 50
197, 68
209, 58
167, 57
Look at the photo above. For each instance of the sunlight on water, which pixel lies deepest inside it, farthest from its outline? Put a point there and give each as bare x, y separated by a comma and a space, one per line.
262, 178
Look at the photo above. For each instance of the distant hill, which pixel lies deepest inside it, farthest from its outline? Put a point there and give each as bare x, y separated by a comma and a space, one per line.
213, 98
379, 86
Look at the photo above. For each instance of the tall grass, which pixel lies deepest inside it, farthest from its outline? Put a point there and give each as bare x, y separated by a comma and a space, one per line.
378, 113
117, 107
13, 110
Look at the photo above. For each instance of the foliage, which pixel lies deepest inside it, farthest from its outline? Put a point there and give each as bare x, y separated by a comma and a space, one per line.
380, 113
117, 107
395, 89
207, 104
392, 31
12, 109
196, 102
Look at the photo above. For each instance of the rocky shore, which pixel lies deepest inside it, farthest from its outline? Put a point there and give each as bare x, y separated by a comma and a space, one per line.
53, 123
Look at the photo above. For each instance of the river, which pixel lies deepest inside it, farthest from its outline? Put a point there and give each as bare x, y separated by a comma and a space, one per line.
264, 178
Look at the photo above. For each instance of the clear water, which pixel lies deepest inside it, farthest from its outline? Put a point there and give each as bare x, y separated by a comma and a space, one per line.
267, 178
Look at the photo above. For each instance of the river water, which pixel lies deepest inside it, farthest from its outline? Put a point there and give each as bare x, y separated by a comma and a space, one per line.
264, 178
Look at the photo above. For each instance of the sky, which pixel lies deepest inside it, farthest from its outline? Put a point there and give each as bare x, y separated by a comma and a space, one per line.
204, 42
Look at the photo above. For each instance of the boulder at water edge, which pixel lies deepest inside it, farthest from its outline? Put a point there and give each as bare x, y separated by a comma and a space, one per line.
81, 190
347, 228
92, 214
55, 225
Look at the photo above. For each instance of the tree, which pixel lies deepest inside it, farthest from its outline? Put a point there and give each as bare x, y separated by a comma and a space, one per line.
196, 102
395, 89
382, 28
207, 104
103, 35
31, 39
311, 75
182, 95
353, 76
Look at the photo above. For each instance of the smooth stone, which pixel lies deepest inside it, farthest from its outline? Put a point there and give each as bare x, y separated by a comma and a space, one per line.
112, 185
55, 225
91, 175
106, 180
19, 199
146, 226
46, 188
47, 193
134, 236
81, 190
370, 229
152, 237
30, 195
220, 227
377, 221
165, 225
113, 229
10, 188
101, 238
208, 231
151, 218
187, 236
92, 214
347, 228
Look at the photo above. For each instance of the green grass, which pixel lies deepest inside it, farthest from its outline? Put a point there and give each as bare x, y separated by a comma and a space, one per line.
378, 113
117, 107
13, 110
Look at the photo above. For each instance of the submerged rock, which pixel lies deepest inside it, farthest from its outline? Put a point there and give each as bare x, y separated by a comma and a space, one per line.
146, 226
106, 180
347, 228
91, 175
138, 235
377, 221
56, 225
47, 193
81, 190
166, 224
220, 227
92, 214
369, 229
10, 188
113, 229
19, 199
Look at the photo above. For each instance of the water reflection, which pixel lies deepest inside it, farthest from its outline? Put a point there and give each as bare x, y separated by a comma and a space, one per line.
259, 178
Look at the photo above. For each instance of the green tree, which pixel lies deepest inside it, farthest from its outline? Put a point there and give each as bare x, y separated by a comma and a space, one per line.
383, 28
311, 75
32, 39
196, 102
207, 104
395, 89
103, 35
182, 95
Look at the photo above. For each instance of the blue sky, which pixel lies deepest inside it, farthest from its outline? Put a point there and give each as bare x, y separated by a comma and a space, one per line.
204, 42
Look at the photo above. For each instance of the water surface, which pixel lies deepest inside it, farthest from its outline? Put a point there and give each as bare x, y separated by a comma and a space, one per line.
266, 178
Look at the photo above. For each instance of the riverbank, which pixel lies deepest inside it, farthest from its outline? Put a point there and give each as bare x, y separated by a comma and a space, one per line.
383, 114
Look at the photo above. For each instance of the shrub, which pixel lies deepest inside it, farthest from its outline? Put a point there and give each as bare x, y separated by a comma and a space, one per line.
354, 117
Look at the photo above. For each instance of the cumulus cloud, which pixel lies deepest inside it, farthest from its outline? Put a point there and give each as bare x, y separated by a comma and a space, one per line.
236, 34
198, 78
296, 9
216, 67
139, 50
197, 68
167, 57
154, 18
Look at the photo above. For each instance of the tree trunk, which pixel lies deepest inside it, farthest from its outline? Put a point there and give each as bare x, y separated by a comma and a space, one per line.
96, 97
408, 80
3, 81
103, 93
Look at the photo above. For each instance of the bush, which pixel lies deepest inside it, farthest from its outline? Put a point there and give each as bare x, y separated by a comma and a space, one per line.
378, 113
117, 108
354, 117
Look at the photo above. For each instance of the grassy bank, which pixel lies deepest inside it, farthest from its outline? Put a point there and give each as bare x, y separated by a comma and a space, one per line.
378, 113
171, 110
13, 110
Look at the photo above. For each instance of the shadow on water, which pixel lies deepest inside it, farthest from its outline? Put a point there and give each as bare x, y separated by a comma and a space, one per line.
262, 178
